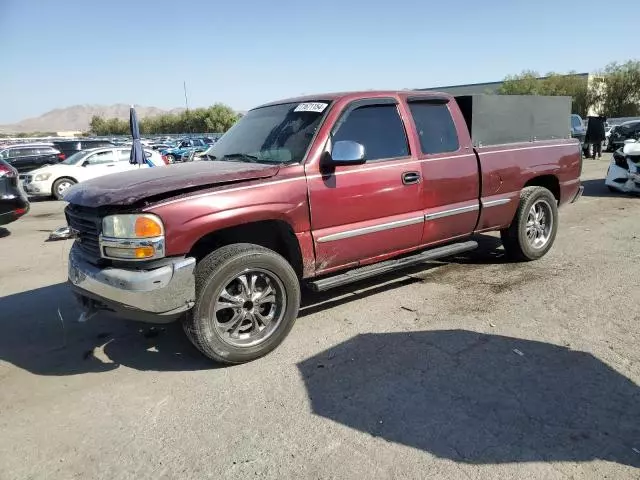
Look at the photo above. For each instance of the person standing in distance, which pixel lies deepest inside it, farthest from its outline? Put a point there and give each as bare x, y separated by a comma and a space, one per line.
595, 134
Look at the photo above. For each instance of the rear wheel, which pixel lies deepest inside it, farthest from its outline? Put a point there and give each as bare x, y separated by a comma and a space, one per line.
60, 187
247, 300
533, 230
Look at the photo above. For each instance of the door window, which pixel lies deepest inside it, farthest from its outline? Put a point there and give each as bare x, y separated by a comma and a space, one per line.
123, 155
378, 128
101, 158
435, 127
46, 151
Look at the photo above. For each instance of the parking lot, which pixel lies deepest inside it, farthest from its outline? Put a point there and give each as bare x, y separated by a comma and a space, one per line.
474, 368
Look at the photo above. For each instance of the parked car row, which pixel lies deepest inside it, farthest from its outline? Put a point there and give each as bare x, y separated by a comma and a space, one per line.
184, 146
54, 180
29, 156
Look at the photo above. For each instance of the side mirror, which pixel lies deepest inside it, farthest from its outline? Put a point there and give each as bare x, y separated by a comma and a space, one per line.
347, 152
85, 163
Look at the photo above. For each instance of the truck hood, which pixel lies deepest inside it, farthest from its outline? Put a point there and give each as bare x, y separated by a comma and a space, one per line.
129, 187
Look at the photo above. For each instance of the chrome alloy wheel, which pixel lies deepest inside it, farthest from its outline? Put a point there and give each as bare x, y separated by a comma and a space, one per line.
539, 224
249, 308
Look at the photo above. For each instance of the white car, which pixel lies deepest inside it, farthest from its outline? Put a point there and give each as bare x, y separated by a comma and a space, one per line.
624, 171
83, 165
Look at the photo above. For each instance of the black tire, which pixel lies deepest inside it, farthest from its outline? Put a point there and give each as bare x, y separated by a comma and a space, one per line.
212, 274
516, 243
55, 189
170, 158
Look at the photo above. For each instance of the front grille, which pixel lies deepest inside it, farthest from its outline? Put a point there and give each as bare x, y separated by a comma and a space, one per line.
26, 178
88, 224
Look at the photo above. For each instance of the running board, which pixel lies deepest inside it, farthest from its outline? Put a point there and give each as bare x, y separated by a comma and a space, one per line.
376, 269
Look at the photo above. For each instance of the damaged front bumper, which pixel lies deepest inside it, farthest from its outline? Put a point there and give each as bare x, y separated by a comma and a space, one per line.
623, 180
160, 295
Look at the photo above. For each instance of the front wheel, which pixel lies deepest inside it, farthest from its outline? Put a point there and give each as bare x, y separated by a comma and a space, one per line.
533, 230
247, 300
170, 158
61, 186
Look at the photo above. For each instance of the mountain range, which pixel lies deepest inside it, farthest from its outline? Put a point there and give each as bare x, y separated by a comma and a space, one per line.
77, 118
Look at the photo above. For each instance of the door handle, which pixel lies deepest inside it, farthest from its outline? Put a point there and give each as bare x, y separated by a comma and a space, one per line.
410, 178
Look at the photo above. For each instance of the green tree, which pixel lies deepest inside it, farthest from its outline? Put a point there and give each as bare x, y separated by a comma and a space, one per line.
526, 83
217, 118
572, 85
617, 89
97, 125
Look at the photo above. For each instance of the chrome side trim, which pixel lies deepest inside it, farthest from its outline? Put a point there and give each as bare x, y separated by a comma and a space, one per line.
495, 203
156, 242
453, 211
493, 152
372, 229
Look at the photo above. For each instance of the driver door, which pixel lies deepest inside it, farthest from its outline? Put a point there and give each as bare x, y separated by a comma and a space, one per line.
360, 212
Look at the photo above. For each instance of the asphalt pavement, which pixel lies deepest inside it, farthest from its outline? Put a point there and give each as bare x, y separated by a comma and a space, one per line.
475, 368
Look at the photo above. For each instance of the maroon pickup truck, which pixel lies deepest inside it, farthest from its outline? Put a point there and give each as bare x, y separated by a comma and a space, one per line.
319, 191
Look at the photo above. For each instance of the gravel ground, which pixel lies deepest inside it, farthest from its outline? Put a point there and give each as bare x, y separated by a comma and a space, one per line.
475, 369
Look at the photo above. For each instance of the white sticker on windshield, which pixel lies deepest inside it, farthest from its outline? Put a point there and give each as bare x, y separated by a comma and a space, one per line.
311, 107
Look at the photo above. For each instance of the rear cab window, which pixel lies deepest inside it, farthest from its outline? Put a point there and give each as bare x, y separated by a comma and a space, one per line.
435, 127
376, 126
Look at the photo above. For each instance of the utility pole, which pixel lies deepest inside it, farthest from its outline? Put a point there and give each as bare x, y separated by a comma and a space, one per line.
186, 103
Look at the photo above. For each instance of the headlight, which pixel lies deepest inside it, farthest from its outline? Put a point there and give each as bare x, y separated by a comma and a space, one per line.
132, 237
41, 177
132, 226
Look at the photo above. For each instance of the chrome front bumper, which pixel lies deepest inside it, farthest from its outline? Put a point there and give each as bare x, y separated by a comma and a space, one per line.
159, 295
578, 194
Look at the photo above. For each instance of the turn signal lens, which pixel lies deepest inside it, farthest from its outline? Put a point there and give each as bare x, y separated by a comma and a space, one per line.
147, 227
144, 252
129, 253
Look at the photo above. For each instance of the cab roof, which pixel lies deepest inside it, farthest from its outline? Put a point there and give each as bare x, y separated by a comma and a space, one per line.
356, 95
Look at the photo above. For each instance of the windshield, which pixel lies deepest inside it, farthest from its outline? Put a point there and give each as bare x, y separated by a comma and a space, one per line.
75, 158
274, 134
4, 154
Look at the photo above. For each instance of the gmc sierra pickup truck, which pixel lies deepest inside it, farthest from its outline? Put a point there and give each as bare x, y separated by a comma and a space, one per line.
319, 191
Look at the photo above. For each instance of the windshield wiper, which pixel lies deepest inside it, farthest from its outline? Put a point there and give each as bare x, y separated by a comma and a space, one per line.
242, 157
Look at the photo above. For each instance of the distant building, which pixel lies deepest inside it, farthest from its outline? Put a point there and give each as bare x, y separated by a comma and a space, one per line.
69, 133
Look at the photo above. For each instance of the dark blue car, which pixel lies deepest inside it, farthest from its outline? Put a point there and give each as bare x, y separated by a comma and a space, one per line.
183, 146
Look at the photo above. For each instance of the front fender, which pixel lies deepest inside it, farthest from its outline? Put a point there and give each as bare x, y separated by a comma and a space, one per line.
194, 229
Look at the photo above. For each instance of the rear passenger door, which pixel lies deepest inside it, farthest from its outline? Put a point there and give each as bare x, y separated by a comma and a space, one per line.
360, 212
450, 171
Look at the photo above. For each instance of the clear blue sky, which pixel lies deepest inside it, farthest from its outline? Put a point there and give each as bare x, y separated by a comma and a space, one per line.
57, 53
